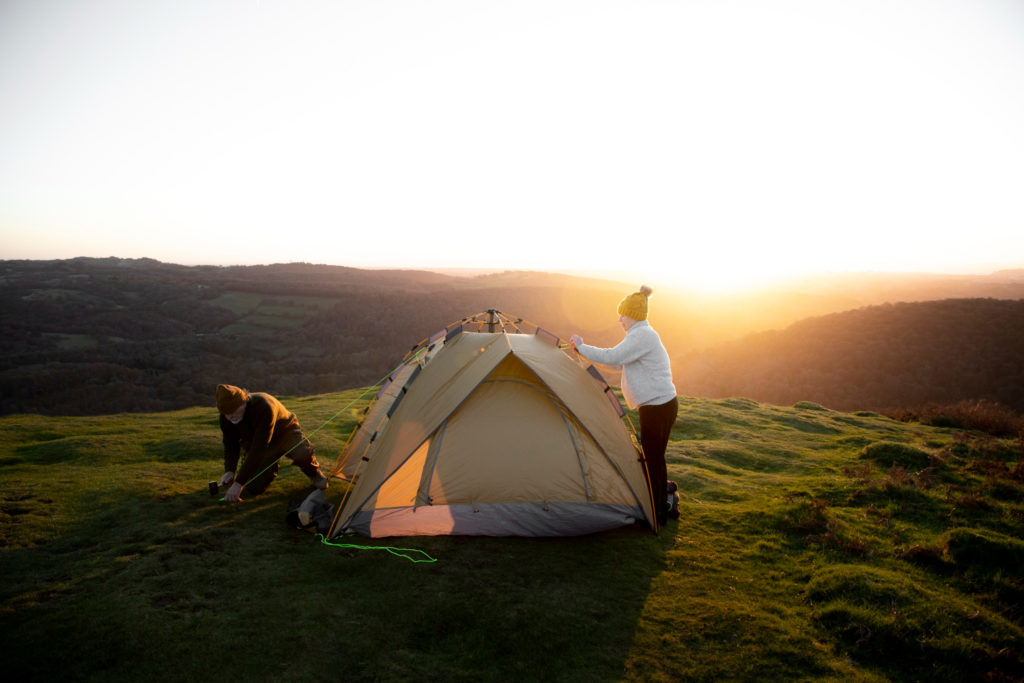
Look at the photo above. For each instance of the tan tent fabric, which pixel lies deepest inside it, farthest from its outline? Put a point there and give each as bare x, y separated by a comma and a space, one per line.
497, 434
377, 414
372, 422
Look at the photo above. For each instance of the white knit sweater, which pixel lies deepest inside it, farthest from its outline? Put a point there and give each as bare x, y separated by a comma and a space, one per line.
646, 371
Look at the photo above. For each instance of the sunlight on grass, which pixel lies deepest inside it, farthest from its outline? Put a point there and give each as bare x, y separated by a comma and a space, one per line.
811, 545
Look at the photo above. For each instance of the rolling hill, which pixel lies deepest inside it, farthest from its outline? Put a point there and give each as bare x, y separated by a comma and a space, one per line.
878, 357
91, 336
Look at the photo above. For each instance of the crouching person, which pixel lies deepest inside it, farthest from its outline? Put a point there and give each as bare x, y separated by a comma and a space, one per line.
265, 430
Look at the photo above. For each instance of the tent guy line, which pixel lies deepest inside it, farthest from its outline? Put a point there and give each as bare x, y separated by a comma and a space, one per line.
407, 553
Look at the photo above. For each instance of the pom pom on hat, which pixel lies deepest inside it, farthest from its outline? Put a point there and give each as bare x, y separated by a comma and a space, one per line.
635, 305
230, 398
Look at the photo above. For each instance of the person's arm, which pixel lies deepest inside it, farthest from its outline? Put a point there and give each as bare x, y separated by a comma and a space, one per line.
576, 341
232, 448
630, 349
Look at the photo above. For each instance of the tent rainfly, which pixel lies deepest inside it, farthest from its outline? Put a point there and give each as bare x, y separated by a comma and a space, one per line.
484, 429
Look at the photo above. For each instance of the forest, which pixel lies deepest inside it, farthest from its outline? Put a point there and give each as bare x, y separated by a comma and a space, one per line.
95, 336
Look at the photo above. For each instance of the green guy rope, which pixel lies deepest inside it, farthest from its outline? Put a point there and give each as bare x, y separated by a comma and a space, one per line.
407, 553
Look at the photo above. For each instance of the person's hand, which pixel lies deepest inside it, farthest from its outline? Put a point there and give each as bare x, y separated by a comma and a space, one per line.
576, 341
234, 494
227, 478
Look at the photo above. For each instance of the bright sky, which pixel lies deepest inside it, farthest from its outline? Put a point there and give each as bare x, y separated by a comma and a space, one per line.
708, 142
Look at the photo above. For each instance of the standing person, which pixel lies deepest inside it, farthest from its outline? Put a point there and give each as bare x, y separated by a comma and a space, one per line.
262, 427
646, 385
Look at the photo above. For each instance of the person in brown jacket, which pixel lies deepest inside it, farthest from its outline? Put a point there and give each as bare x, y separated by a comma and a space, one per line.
266, 431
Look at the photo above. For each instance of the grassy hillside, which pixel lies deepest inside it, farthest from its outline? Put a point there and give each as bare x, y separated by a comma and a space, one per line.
812, 545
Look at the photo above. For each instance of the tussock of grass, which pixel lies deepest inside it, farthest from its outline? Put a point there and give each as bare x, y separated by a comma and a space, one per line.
985, 550
812, 544
888, 453
809, 405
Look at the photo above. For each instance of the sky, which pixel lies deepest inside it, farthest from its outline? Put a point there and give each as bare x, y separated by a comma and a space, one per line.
706, 143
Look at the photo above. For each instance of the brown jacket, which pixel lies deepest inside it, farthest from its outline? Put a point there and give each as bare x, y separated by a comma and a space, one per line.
266, 432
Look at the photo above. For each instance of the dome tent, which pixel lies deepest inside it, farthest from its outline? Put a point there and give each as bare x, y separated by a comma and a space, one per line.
485, 429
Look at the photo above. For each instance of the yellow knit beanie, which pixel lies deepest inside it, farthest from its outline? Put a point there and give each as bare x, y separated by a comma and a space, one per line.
230, 398
635, 304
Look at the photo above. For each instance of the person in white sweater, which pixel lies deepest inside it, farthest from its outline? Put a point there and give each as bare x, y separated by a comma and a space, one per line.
646, 385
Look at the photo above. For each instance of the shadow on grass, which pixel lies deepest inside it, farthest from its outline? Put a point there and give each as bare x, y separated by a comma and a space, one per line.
188, 588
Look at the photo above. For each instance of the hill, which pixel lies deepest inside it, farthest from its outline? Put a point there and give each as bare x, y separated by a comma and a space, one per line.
703, 320
91, 336
813, 544
879, 357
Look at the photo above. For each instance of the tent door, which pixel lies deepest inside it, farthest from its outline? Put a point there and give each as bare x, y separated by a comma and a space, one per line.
423, 492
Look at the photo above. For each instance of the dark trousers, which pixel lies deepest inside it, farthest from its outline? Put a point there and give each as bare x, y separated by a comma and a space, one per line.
655, 426
302, 456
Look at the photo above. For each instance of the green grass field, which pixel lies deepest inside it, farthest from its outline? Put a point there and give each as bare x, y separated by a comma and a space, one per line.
264, 315
812, 545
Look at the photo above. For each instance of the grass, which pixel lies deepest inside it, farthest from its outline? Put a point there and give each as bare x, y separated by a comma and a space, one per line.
265, 315
813, 545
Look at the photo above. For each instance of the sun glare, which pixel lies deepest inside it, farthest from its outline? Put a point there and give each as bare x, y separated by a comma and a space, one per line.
712, 266
716, 277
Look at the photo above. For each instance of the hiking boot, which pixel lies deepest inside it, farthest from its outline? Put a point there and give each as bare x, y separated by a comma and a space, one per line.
319, 482
672, 500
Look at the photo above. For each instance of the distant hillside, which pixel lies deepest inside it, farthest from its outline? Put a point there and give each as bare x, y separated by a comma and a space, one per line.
877, 357
92, 336
704, 320
864, 289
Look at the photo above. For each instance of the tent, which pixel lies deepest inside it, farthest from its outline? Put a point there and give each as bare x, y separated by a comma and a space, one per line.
487, 429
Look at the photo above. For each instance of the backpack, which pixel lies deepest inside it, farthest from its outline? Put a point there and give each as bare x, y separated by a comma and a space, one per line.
313, 514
